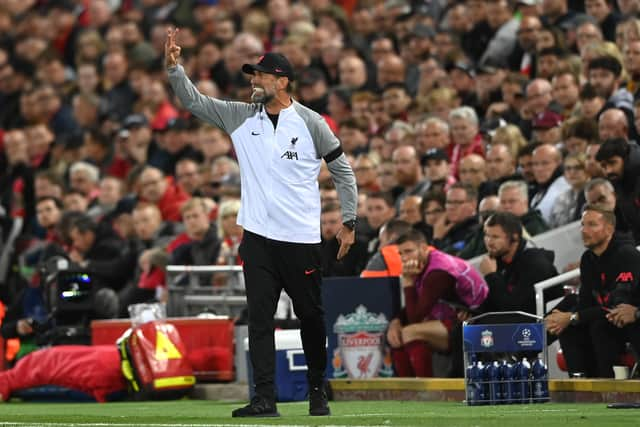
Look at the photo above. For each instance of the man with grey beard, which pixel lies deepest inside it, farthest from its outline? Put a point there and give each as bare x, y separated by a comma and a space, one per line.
280, 145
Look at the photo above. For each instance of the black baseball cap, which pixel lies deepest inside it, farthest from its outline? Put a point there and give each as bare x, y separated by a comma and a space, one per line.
271, 63
423, 32
177, 124
462, 66
134, 121
434, 154
310, 76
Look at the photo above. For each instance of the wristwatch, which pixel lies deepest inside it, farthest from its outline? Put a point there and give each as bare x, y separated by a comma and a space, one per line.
351, 224
573, 320
637, 314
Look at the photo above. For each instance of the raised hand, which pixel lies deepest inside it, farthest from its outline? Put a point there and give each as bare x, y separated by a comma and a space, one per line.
171, 49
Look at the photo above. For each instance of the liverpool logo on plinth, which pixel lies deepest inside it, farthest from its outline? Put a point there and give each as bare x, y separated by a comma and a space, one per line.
361, 351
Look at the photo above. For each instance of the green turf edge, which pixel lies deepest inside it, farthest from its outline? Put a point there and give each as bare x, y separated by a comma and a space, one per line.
380, 413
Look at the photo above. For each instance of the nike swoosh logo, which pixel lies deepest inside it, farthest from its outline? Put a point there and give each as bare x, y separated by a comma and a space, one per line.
255, 133
309, 272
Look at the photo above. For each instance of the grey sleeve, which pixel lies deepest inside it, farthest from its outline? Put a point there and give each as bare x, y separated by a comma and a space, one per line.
327, 144
226, 115
501, 45
345, 182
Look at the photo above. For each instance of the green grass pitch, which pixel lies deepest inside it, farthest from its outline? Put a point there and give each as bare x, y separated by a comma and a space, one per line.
188, 413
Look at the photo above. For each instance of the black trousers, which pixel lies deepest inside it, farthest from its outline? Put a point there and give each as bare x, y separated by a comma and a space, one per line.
593, 348
269, 267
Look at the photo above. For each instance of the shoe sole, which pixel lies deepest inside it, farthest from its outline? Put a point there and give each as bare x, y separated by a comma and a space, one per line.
319, 414
267, 415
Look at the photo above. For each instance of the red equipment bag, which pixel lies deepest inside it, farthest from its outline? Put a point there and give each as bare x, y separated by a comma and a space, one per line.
154, 362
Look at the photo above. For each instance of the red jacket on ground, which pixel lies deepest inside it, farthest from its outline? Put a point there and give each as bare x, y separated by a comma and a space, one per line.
94, 370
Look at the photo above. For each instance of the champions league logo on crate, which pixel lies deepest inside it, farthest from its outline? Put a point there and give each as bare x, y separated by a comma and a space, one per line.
361, 351
526, 340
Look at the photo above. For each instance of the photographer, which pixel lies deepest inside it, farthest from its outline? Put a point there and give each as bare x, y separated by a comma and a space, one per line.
98, 250
25, 318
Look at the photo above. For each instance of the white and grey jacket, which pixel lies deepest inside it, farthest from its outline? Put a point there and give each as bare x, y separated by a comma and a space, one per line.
279, 166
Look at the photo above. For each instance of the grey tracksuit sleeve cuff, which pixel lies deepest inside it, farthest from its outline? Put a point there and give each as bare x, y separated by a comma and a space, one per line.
345, 182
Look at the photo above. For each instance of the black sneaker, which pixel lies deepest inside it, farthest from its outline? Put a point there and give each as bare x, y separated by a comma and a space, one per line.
318, 402
259, 407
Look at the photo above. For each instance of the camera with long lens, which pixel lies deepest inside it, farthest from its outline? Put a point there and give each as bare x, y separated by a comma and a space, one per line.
69, 298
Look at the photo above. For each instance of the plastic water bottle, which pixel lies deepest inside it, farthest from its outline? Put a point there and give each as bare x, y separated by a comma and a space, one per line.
524, 382
483, 386
493, 377
474, 382
540, 388
506, 374
516, 390
486, 384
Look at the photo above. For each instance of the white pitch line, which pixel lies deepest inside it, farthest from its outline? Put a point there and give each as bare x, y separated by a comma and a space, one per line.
22, 424
372, 414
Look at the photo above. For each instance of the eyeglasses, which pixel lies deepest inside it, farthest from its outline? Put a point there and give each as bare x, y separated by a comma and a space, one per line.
456, 202
470, 170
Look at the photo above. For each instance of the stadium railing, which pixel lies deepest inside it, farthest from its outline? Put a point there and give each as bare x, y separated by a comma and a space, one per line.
192, 297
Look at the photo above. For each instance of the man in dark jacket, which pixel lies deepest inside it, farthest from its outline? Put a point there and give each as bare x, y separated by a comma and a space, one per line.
605, 75
511, 268
620, 161
151, 236
101, 252
459, 224
593, 336
200, 245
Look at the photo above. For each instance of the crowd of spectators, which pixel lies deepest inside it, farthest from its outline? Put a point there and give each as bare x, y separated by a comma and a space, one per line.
448, 111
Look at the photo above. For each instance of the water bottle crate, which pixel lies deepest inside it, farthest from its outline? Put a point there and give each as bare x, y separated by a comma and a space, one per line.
505, 361
506, 392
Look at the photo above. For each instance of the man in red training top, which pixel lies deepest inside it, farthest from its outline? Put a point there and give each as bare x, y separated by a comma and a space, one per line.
432, 281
